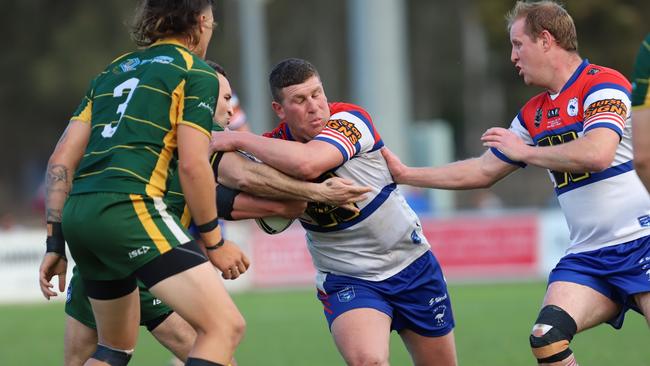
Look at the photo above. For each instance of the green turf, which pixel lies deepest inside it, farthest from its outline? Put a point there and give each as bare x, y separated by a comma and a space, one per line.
287, 328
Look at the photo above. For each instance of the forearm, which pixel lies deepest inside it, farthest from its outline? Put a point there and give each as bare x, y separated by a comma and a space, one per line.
465, 174
250, 207
61, 167
593, 152
196, 179
262, 180
265, 181
274, 152
57, 187
197, 182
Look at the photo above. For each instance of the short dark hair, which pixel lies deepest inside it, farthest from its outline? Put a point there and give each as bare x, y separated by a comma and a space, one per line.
218, 68
289, 72
158, 19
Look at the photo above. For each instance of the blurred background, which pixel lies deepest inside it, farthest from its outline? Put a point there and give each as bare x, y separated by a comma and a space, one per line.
411, 63
434, 74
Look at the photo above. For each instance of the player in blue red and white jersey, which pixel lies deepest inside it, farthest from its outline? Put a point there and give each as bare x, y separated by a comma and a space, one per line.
578, 129
375, 269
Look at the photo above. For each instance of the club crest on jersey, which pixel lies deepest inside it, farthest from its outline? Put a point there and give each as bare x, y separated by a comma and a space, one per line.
129, 65
538, 117
572, 107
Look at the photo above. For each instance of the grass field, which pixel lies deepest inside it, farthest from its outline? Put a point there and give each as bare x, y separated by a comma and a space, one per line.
287, 328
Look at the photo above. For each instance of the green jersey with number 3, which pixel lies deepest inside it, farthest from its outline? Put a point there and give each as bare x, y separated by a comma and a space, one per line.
134, 107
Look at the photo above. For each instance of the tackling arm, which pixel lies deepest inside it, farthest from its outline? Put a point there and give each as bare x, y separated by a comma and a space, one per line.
301, 160
261, 180
247, 206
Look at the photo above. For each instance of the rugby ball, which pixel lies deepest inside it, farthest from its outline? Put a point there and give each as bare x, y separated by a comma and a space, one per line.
273, 224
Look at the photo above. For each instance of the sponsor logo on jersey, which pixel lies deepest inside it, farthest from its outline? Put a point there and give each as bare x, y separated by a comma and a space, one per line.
553, 113
129, 65
347, 129
593, 71
538, 117
607, 105
206, 106
644, 220
133, 63
138, 252
572, 107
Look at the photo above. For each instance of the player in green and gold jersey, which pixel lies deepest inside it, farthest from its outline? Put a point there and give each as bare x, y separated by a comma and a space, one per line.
143, 113
641, 112
166, 326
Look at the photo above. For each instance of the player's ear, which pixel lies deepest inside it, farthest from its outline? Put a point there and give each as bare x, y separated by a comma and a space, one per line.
277, 108
547, 39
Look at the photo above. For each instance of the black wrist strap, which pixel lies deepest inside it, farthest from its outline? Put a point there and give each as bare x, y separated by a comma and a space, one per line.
216, 246
55, 243
209, 226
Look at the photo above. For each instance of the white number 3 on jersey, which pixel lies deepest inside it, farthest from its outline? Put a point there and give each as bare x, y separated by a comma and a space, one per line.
131, 84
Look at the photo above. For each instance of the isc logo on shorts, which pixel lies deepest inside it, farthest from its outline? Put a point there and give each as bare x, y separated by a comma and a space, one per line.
156, 302
140, 251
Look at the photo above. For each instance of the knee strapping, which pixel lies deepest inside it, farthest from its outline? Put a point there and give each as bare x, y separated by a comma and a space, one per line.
551, 335
112, 356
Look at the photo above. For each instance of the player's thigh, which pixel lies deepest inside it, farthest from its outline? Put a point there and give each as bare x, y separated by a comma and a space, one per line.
118, 320
153, 311
198, 296
585, 305
79, 342
175, 334
430, 351
643, 302
362, 336
77, 304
